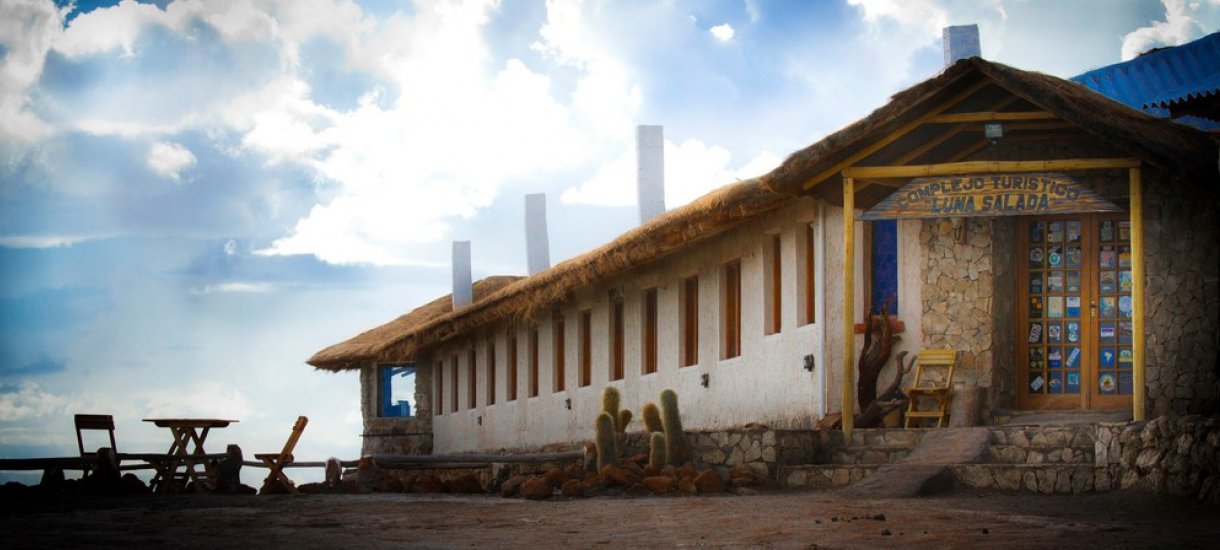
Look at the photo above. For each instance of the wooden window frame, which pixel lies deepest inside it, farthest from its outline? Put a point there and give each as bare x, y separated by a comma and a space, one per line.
648, 331
618, 329
438, 405
533, 362
453, 388
773, 289
586, 348
730, 305
560, 352
512, 365
807, 274
472, 379
688, 321
491, 370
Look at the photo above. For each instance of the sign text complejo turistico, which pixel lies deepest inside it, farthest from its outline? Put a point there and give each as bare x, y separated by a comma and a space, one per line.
989, 195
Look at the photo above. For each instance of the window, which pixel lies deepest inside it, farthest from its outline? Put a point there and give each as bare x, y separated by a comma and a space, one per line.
453, 386
806, 276
883, 265
616, 338
688, 321
439, 406
471, 379
772, 286
648, 322
396, 391
491, 370
533, 374
730, 306
586, 348
560, 353
512, 366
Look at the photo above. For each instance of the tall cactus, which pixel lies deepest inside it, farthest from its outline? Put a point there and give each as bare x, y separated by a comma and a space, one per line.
624, 418
676, 449
607, 441
656, 451
652, 417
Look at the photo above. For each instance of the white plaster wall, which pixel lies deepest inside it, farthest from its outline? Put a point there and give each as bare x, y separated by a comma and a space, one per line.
766, 384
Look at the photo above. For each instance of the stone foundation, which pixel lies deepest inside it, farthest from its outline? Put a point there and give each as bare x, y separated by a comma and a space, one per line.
1177, 455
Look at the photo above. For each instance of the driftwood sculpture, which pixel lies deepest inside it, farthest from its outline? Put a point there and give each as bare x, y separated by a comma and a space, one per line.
891, 398
879, 341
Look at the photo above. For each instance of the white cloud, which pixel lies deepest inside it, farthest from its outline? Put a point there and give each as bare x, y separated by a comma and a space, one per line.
27, 400
27, 29
51, 241
723, 32
692, 169
235, 287
230, 247
1179, 27
170, 159
199, 400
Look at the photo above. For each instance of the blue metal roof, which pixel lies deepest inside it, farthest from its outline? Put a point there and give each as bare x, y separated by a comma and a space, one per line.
1154, 81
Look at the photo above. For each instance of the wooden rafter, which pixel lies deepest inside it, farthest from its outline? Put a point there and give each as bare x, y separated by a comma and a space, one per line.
990, 116
980, 166
944, 136
888, 139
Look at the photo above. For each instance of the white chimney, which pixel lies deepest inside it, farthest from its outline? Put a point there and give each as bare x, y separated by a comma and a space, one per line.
463, 288
537, 244
650, 175
961, 42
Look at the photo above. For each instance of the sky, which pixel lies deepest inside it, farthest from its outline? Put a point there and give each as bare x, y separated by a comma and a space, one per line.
196, 196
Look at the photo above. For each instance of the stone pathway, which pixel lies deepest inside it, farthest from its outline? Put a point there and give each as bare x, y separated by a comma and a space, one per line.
925, 471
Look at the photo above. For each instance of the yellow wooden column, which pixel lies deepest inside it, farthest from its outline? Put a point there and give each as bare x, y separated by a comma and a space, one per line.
849, 303
1137, 294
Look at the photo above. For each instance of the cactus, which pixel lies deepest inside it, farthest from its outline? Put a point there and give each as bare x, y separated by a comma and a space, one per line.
676, 449
607, 442
656, 451
610, 401
624, 418
652, 417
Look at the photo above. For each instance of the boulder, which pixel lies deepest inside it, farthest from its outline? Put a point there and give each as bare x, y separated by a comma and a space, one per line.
129, 484
659, 485
512, 487
427, 483
687, 486
572, 488
615, 476
743, 476
465, 484
390, 484
536, 488
556, 476
710, 482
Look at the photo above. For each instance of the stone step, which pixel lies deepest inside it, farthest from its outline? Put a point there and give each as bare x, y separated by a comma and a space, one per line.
1080, 437
824, 476
1013, 454
866, 455
1032, 478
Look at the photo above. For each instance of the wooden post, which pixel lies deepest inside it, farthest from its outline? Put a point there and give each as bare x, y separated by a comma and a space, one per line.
1137, 294
849, 303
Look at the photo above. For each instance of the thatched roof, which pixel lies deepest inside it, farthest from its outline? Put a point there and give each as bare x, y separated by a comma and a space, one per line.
373, 344
1177, 150
411, 335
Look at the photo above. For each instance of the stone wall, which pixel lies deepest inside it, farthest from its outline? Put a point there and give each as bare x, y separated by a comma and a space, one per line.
958, 288
392, 435
1177, 455
1182, 304
763, 450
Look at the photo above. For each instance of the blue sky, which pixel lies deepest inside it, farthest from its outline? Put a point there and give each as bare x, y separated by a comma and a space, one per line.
196, 196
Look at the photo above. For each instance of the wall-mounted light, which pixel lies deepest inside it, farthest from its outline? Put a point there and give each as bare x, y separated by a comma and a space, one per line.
568, 403
705, 379
478, 420
993, 131
809, 362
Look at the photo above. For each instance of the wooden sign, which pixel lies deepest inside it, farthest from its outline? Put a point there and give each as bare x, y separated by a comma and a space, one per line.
989, 195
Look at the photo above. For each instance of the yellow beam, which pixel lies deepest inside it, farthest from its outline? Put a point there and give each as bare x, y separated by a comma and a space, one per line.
990, 117
986, 166
890, 138
944, 136
849, 302
1137, 293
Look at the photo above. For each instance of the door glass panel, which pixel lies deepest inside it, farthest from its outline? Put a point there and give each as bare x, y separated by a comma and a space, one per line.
1114, 308
1053, 310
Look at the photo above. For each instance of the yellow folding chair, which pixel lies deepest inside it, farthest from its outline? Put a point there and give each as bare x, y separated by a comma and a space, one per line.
933, 382
276, 461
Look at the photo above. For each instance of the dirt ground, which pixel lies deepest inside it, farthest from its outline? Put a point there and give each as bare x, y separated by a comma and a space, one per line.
764, 520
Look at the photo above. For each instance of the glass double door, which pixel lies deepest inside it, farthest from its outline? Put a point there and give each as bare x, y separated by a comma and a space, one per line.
1074, 312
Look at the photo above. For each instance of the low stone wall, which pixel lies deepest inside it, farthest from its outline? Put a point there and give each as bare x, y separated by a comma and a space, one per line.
1177, 455
763, 450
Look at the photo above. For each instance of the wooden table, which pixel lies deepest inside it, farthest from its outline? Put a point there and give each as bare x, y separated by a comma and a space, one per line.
185, 452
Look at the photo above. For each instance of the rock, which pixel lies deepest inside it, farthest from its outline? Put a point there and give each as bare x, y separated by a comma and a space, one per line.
637, 490
369, 474
710, 483
637, 459
52, 481
574, 471
572, 488
393, 485
334, 472
659, 485
687, 486
536, 488
743, 475
615, 476
687, 471
556, 476
512, 487
314, 489
465, 484
408, 482
427, 483
132, 485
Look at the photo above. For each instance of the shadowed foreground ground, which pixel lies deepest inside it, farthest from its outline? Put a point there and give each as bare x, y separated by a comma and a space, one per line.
769, 520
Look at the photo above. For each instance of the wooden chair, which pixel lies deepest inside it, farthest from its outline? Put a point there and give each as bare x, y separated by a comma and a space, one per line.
930, 386
276, 461
93, 422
